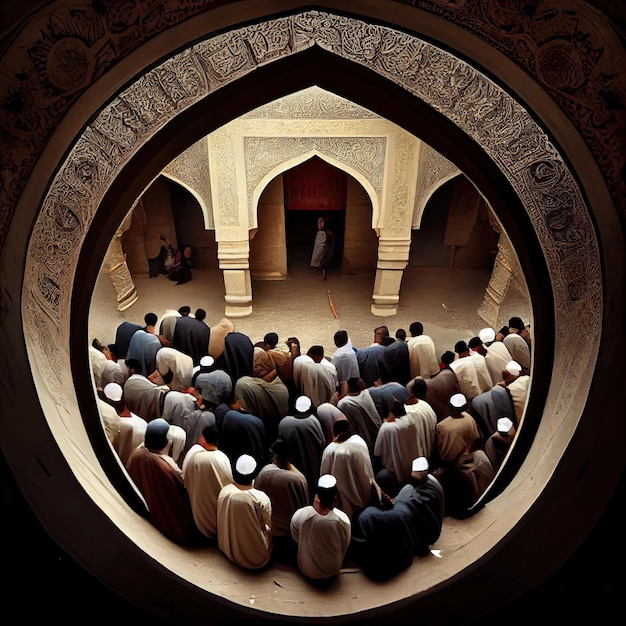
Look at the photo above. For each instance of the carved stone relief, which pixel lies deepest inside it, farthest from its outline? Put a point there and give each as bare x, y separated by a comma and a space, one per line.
62, 47
433, 171
501, 126
191, 169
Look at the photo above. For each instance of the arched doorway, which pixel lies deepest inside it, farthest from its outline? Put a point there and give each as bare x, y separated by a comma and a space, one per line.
519, 230
283, 242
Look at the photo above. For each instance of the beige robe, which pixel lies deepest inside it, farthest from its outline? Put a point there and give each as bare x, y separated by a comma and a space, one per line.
422, 356
496, 359
424, 419
466, 374
456, 437
519, 394
396, 446
205, 473
315, 380
244, 522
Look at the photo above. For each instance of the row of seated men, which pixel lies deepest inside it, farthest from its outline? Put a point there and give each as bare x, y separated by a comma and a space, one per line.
365, 438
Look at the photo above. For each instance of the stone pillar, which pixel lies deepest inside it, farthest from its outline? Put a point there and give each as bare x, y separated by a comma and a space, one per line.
234, 261
506, 273
268, 250
393, 257
115, 266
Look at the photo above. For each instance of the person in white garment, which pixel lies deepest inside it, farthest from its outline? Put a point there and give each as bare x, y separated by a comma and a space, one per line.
322, 532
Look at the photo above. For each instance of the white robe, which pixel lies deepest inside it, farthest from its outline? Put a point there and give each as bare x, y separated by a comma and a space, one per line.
177, 362
322, 541
315, 380
424, 418
422, 356
349, 462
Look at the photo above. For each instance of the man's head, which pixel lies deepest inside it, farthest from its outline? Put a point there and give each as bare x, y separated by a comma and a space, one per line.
460, 347
341, 429
200, 314
419, 469
210, 435
380, 332
156, 439
504, 425
326, 490
416, 329
511, 372
340, 338
184, 310
271, 339
303, 406
215, 387
316, 353
397, 408
476, 344
282, 453
447, 357
355, 385
401, 334
133, 365
114, 393
487, 335
458, 404
150, 319
420, 388
244, 470
516, 324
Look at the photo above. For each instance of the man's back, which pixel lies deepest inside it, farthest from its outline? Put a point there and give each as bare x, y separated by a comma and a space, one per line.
205, 473
322, 541
244, 525
287, 490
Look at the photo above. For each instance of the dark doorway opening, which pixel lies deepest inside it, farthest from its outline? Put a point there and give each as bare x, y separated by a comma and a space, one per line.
312, 190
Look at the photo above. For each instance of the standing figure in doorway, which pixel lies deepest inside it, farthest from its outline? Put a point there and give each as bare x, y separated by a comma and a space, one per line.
323, 248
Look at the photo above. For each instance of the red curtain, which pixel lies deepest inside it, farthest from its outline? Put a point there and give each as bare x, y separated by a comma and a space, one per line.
315, 186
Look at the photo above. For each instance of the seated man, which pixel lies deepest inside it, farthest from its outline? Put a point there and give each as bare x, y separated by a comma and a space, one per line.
244, 518
387, 539
322, 532
288, 491
160, 481
206, 469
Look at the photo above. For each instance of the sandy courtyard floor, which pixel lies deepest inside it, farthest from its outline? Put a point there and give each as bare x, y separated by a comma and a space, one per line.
444, 300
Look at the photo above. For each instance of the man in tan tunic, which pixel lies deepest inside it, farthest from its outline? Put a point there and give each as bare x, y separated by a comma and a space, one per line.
244, 518
206, 470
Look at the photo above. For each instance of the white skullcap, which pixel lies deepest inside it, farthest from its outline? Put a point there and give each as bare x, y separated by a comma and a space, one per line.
513, 367
245, 465
327, 481
458, 400
113, 391
487, 335
420, 464
504, 425
207, 361
303, 404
